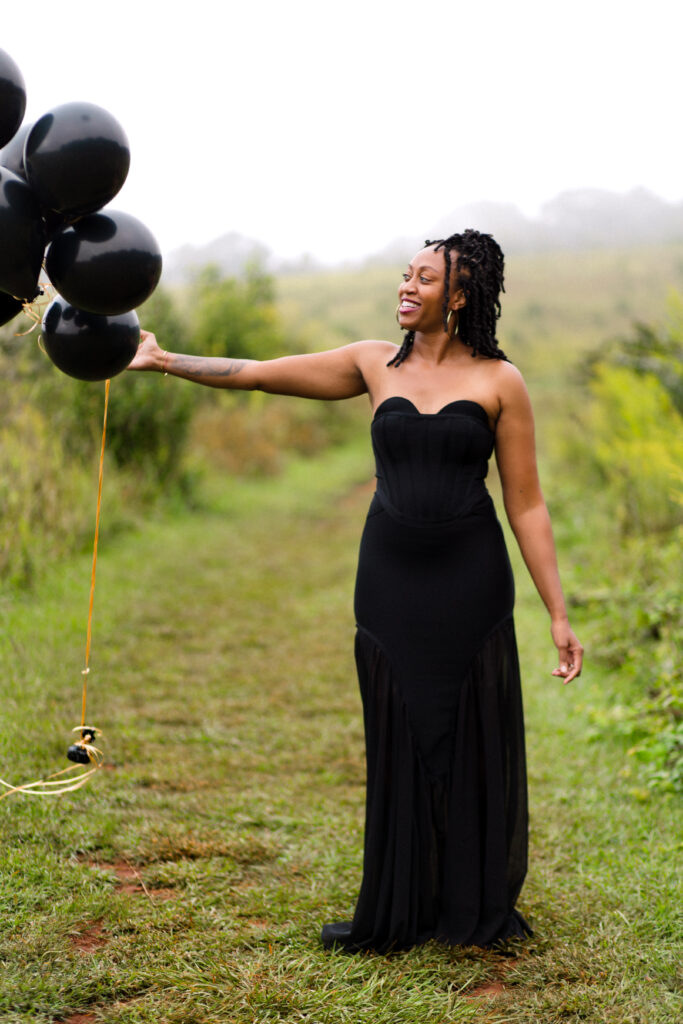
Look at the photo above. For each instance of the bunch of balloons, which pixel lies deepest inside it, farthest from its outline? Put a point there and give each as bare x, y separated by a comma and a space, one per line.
55, 175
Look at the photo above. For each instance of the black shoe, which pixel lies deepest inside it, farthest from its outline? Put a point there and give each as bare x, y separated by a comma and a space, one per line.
338, 934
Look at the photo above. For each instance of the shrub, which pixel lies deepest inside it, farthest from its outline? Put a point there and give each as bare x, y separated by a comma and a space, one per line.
638, 630
636, 441
630, 440
149, 417
235, 317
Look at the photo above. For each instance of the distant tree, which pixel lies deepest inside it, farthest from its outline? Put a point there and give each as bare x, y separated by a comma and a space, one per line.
236, 316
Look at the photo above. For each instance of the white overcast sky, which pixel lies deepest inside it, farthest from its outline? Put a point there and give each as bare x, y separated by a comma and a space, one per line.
334, 128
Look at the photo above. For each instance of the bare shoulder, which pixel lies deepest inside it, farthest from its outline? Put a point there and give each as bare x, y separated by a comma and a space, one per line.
372, 355
497, 385
375, 357
510, 384
372, 348
507, 374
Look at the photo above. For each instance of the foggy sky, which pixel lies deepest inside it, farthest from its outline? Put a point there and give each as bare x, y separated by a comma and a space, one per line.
332, 129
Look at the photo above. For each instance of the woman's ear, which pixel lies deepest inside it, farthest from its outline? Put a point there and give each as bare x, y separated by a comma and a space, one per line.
457, 300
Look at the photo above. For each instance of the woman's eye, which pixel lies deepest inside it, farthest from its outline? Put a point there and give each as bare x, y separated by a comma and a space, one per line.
406, 277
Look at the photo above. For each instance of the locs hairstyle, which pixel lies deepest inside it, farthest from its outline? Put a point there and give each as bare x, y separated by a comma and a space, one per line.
479, 265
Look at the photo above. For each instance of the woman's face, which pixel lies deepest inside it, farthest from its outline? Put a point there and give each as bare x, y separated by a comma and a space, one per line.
420, 292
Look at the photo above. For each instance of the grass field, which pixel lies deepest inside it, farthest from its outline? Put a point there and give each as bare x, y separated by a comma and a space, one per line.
188, 882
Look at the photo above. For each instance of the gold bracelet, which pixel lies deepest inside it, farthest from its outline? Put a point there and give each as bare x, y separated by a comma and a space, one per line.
163, 365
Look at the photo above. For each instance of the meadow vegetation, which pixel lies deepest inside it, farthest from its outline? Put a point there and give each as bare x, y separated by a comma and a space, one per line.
189, 881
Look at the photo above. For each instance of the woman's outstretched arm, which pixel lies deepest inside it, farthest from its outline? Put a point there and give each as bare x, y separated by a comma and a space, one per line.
338, 373
528, 514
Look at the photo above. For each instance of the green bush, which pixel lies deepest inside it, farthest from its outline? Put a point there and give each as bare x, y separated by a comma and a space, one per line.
235, 317
630, 435
149, 417
50, 434
635, 438
249, 434
638, 631
657, 352
628, 442
41, 494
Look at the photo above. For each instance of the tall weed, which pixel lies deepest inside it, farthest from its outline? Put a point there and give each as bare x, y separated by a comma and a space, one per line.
44, 496
638, 632
253, 434
627, 446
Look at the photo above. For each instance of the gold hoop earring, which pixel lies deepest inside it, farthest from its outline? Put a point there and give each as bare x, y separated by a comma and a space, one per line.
448, 322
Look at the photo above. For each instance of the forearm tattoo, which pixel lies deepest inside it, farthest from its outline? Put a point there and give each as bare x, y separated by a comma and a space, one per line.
206, 369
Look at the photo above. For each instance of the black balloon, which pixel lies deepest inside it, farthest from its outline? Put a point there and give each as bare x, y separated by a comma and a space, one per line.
12, 97
88, 346
76, 157
54, 223
9, 307
12, 155
22, 237
105, 263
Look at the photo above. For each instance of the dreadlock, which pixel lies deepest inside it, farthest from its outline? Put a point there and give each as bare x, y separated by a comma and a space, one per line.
479, 269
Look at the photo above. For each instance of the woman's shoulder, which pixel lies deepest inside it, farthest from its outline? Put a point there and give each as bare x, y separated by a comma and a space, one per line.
373, 350
506, 375
511, 389
376, 345
504, 384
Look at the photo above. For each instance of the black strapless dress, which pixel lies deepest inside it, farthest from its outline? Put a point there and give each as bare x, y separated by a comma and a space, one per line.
446, 815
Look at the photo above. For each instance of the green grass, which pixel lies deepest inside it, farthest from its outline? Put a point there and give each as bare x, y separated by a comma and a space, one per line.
232, 800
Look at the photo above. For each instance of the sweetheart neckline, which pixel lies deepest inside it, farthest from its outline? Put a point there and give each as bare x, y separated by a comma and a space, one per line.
456, 401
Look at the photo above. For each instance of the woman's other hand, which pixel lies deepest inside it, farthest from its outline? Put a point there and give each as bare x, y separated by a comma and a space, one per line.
569, 649
149, 355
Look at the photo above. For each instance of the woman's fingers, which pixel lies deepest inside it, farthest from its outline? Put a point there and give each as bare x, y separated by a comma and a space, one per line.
571, 658
147, 355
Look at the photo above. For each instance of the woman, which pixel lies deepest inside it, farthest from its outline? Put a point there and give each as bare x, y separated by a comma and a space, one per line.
446, 812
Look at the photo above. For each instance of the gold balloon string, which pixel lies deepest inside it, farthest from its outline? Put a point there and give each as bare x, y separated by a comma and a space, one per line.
34, 310
88, 638
30, 313
86, 753
65, 781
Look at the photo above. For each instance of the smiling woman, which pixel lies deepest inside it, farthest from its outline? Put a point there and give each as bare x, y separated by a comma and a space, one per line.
470, 300
446, 815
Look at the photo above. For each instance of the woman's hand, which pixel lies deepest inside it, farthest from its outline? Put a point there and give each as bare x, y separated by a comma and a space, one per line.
569, 650
149, 355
